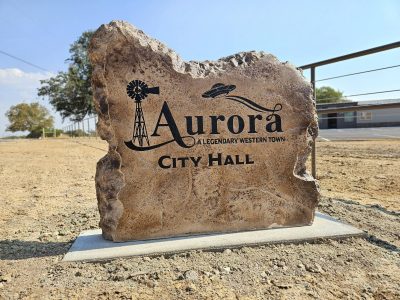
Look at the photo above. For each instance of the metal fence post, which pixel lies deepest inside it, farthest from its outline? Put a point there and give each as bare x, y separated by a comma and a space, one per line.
313, 150
83, 128
95, 125
313, 66
88, 126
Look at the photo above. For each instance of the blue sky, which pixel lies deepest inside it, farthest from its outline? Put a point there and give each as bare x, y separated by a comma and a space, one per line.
297, 31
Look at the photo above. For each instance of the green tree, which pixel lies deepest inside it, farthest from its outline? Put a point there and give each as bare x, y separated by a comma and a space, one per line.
31, 117
326, 94
70, 92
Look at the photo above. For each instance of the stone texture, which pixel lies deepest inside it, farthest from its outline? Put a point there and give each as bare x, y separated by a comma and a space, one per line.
263, 182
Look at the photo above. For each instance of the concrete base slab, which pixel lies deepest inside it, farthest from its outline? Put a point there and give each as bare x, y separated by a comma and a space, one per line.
91, 246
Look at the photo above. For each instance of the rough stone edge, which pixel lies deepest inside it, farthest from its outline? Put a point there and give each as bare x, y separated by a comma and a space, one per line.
110, 207
300, 167
109, 166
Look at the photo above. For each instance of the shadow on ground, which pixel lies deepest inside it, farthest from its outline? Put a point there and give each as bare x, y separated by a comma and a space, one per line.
382, 226
17, 249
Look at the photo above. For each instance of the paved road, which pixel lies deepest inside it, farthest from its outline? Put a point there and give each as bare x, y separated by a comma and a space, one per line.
359, 133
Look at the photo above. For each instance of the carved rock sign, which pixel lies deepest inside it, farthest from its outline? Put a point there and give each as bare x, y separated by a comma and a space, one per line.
198, 147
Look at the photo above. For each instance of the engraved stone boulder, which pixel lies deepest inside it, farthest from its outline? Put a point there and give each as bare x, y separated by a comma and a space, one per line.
198, 147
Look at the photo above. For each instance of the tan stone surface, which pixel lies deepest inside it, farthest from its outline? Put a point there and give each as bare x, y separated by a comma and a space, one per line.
138, 199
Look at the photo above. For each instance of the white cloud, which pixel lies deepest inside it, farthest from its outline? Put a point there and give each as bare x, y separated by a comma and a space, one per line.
18, 86
19, 78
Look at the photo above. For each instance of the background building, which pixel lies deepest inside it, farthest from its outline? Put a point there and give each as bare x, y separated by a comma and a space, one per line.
367, 118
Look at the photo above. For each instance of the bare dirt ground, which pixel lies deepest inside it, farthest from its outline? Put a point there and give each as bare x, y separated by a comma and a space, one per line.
365, 171
48, 198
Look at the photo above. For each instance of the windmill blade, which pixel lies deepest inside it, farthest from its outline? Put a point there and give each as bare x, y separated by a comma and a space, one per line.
153, 90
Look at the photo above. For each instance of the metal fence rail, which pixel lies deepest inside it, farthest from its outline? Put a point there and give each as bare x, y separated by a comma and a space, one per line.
313, 66
84, 128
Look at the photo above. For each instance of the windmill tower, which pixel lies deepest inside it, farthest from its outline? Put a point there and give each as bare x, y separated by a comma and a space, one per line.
138, 90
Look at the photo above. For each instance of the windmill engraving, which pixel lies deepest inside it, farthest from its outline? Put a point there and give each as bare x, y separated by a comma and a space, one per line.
138, 90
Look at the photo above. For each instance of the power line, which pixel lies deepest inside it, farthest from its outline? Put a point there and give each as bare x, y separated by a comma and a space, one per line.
373, 93
363, 94
24, 61
356, 73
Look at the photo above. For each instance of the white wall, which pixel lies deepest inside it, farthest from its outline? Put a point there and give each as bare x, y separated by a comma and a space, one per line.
381, 115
